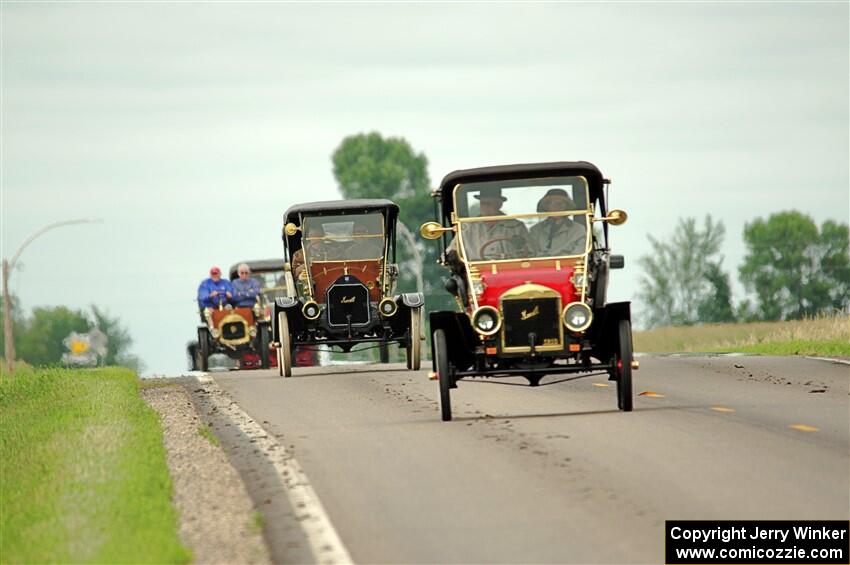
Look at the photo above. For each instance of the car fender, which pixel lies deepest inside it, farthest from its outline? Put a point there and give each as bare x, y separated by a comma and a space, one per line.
411, 299
285, 302
604, 331
292, 306
460, 338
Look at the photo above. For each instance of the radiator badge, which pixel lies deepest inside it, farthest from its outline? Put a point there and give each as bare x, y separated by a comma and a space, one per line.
347, 299
525, 315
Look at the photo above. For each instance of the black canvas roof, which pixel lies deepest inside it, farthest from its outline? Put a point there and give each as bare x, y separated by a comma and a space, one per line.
333, 207
524, 171
338, 207
258, 265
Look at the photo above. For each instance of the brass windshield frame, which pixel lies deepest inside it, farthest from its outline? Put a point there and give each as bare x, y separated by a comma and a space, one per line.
588, 213
383, 235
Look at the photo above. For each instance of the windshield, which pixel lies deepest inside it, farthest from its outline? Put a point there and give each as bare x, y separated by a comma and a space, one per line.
353, 237
523, 219
272, 283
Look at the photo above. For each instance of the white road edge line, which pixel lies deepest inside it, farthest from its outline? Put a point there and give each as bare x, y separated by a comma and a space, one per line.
830, 359
325, 544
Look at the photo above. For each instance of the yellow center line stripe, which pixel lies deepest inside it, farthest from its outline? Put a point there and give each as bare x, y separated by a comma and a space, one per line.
722, 409
651, 394
804, 428
600, 384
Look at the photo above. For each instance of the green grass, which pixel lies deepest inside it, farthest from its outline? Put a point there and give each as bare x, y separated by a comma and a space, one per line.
208, 434
84, 477
258, 521
828, 336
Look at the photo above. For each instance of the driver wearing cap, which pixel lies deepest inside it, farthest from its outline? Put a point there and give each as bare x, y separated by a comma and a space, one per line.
215, 292
497, 239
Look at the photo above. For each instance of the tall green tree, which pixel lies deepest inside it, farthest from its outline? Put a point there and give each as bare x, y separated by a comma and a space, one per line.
794, 269
368, 165
683, 281
716, 305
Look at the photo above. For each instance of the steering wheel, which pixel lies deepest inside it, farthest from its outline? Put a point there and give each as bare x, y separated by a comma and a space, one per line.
490, 242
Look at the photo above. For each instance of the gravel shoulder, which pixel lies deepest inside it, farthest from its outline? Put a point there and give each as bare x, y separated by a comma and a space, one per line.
218, 520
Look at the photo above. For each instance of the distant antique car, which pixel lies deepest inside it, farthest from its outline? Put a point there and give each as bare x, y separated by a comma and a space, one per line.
530, 275
342, 266
270, 274
235, 332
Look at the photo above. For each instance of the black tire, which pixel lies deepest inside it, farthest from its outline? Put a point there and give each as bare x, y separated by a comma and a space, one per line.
265, 339
384, 350
624, 360
203, 349
534, 380
284, 350
192, 352
414, 345
441, 361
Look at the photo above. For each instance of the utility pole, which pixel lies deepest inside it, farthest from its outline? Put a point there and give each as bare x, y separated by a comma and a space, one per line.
8, 266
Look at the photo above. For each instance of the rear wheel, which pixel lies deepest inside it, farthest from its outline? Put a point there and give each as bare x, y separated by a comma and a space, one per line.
264, 345
203, 349
441, 360
284, 350
414, 346
624, 367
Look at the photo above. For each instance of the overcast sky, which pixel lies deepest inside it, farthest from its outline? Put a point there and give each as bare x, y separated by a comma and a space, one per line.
190, 127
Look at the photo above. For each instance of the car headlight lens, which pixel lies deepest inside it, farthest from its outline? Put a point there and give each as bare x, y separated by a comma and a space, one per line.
388, 307
311, 310
486, 320
577, 316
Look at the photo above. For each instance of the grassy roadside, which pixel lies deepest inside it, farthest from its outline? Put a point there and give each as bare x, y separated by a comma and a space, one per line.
84, 477
819, 336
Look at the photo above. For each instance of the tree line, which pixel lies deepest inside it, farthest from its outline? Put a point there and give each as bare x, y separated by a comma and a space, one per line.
39, 336
792, 270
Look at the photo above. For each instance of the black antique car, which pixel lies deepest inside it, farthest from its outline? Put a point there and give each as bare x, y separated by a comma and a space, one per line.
529, 272
341, 262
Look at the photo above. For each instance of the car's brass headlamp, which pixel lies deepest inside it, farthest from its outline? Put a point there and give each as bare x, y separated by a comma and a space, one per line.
486, 320
388, 307
311, 310
577, 316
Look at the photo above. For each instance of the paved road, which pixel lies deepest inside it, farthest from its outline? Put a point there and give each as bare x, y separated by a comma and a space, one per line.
556, 473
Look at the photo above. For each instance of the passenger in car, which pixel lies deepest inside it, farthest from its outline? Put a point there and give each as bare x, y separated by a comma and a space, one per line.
245, 289
558, 235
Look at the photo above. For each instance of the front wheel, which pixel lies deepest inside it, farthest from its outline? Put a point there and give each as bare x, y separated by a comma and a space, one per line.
203, 349
441, 360
284, 350
414, 346
624, 367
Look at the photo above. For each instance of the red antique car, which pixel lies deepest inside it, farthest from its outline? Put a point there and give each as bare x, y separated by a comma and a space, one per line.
530, 274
